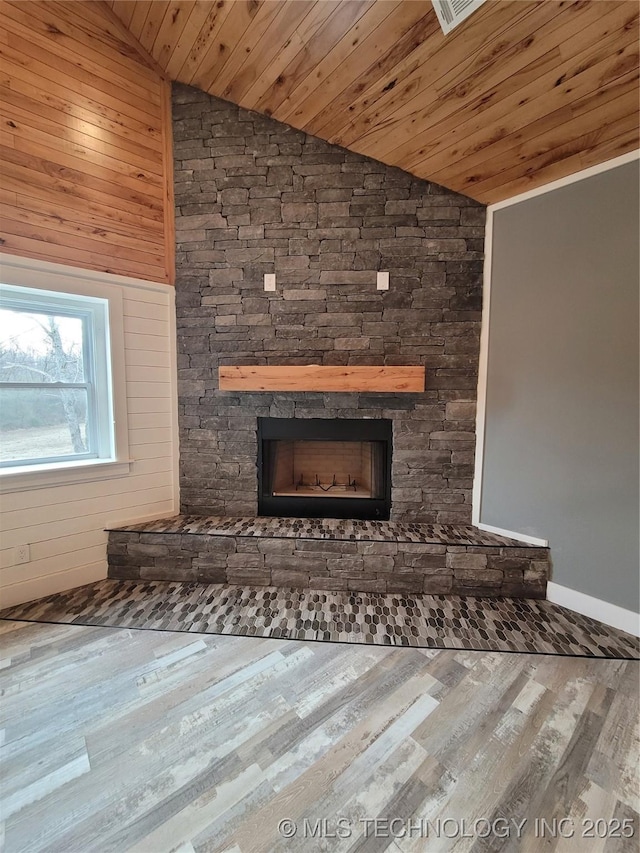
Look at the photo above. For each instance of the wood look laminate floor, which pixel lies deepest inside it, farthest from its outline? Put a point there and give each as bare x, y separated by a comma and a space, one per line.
118, 739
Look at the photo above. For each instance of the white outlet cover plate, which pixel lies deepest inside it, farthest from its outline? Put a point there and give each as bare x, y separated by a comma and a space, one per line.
270, 281
382, 281
23, 554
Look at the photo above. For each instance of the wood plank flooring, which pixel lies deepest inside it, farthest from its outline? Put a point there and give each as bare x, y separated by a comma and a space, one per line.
118, 739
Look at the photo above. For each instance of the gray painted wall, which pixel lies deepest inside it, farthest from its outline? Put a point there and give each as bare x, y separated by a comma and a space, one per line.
561, 442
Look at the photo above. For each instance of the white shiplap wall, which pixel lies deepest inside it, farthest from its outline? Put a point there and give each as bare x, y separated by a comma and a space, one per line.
65, 524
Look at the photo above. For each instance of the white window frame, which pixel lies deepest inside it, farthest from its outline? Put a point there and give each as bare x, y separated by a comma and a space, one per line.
40, 285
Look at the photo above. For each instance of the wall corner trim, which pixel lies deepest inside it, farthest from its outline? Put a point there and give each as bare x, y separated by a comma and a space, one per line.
595, 608
483, 366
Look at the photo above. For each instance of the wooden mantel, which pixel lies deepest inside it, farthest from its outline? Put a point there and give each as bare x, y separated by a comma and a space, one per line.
316, 377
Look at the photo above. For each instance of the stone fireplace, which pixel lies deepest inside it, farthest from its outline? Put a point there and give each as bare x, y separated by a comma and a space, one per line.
254, 196
324, 468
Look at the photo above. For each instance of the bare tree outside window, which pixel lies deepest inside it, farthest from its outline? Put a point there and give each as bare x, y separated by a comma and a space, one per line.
56, 391
37, 351
67, 366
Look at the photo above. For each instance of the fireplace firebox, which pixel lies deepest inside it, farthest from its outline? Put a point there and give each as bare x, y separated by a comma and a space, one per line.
324, 468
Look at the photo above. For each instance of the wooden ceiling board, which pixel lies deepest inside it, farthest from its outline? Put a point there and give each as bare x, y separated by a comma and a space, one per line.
353, 46
343, 106
523, 108
235, 28
548, 134
540, 132
418, 102
139, 16
588, 123
414, 74
124, 9
521, 93
33, 40
353, 56
573, 158
179, 36
228, 61
277, 37
87, 34
196, 42
84, 142
487, 121
153, 23
267, 75
465, 156
171, 29
598, 135
343, 17
534, 90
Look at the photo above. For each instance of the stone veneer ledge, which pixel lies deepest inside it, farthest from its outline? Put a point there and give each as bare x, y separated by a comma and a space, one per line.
255, 196
357, 556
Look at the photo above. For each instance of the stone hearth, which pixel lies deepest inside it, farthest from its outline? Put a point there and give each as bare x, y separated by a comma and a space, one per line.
364, 556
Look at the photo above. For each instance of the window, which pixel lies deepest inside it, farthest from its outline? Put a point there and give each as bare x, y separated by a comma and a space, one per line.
56, 401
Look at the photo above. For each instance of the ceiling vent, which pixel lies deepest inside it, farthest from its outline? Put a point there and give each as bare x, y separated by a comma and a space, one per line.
453, 12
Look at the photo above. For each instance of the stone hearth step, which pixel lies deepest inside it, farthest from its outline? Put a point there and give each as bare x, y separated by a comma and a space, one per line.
328, 554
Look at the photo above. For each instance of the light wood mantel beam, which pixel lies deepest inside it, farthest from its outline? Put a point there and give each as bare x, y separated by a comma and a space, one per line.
317, 377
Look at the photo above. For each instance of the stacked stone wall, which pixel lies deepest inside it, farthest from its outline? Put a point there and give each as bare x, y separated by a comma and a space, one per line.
360, 566
254, 196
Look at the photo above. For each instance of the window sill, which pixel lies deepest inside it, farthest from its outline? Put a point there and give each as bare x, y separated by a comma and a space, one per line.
61, 474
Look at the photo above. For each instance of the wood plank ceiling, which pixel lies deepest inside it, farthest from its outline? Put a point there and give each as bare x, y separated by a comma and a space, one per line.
85, 143
520, 94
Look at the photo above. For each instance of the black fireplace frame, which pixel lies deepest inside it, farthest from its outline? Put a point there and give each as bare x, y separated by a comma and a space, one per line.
324, 429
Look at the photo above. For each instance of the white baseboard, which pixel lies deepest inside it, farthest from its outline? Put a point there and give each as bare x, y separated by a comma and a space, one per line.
31, 590
519, 537
587, 605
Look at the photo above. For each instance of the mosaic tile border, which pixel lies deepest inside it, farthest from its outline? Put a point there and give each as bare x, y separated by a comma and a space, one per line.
326, 528
426, 621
